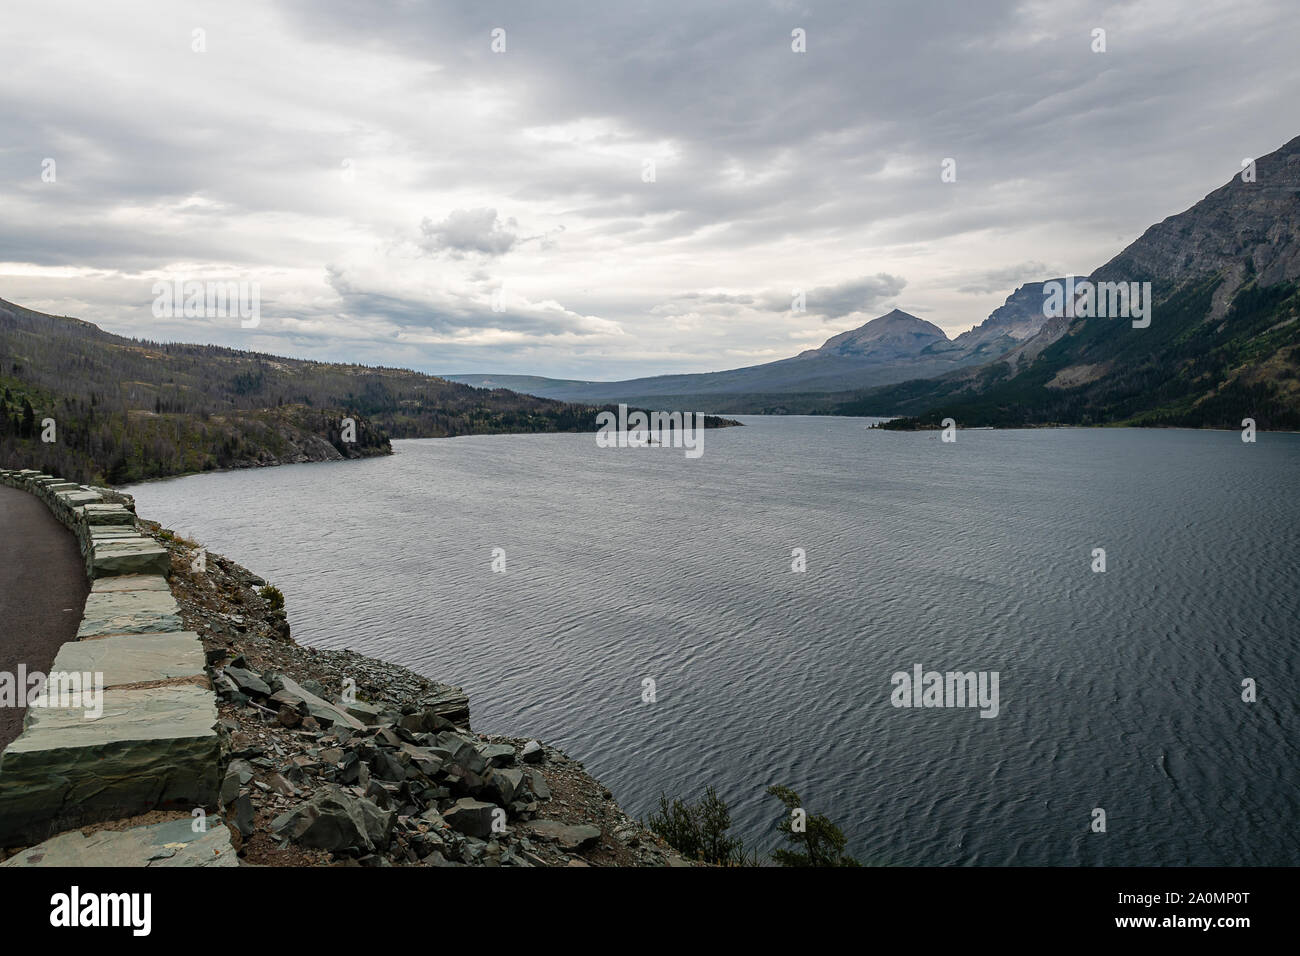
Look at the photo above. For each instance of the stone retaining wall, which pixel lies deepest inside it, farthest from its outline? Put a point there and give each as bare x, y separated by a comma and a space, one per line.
155, 745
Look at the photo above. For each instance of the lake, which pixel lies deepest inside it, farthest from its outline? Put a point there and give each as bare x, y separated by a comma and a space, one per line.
1119, 690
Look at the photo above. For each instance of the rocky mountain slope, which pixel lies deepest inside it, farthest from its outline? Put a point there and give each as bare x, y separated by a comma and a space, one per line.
1018, 319
1223, 342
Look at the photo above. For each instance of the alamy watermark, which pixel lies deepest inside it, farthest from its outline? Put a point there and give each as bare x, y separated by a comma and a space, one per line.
645, 429
922, 688
1103, 300
209, 300
127, 910
62, 689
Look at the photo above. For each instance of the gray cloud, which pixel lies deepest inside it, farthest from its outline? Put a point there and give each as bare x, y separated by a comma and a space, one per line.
855, 297
469, 230
304, 147
996, 280
852, 297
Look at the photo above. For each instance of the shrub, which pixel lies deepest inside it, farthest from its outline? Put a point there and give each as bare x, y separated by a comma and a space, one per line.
699, 830
817, 842
273, 596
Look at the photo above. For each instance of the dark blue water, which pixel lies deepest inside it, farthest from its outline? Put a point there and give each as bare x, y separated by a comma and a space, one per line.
1118, 690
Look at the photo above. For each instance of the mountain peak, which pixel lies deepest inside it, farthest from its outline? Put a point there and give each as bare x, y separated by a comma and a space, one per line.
894, 334
1017, 319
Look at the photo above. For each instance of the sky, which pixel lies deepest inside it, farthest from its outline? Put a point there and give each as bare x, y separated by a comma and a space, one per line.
609, 189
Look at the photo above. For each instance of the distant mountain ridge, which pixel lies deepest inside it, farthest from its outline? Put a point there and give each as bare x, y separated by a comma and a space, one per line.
1223, 344
890, 348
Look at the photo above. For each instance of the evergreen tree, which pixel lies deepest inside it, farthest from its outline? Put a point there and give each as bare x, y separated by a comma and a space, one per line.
816, 841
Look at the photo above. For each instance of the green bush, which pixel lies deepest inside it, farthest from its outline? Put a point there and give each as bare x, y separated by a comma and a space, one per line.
699, 830
273, 596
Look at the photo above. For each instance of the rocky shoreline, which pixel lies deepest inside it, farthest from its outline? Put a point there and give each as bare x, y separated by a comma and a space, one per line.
335, 758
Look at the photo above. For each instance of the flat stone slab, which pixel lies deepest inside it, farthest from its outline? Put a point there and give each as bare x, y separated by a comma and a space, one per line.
368, 714
129, 612
149, 749
130, 582
107, 514
107, 534
131, 556
130, 716
114, 532
134, 659
77, 499
320, 709
173, 843
569, 837
450, 703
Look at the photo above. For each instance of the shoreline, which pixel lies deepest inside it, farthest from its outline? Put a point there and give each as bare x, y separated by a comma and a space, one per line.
367, 455
278, 760
876, 427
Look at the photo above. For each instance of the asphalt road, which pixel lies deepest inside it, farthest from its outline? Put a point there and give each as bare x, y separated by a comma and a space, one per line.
43, 590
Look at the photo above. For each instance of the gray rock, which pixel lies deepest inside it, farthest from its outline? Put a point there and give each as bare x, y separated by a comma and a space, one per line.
238, 773
151, 748
502, 785
538, 784
244, 816
368, 714
248, 682
387, 767
433, 818
131, 582
336, 820
497, 755
141, 555
467, 756
172, 843
570, 838
533, 752
315, 687
135, 658
328, 714
471, 817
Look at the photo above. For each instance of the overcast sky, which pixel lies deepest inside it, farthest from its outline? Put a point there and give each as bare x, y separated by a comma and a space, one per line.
383, 173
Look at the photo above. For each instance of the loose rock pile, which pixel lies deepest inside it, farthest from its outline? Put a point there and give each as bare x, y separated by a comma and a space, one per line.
338, 758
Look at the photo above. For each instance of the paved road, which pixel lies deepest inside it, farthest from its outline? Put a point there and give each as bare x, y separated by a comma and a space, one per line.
42, 591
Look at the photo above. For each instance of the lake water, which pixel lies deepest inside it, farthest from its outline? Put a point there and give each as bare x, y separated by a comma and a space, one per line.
1119, 690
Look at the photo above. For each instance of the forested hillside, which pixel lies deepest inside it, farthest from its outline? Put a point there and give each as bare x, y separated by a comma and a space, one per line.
126, 409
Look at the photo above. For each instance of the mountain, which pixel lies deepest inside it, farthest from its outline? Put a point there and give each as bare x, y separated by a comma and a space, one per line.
1018, 319
127, 409
892, 337
890, 348
1223, 343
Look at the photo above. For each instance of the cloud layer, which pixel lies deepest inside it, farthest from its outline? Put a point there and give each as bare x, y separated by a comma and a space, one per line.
604, 190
